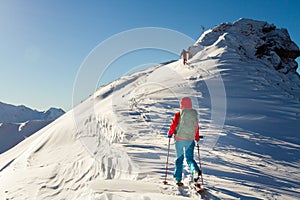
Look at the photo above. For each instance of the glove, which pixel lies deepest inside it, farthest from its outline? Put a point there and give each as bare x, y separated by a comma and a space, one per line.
170, 136
198, 141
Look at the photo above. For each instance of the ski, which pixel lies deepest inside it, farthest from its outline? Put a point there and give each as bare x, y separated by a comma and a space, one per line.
198, 187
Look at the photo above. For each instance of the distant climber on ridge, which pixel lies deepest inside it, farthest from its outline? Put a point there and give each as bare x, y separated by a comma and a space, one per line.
185, 55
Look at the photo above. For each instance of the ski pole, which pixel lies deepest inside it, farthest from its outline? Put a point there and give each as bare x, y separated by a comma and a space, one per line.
167, 163
200, 163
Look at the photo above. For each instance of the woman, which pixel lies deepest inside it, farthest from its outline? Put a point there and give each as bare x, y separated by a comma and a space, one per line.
185, 128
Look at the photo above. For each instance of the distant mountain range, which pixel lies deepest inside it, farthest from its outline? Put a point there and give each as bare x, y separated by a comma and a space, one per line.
18, 114
19, 122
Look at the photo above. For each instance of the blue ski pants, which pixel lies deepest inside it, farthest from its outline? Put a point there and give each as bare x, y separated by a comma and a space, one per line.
184, 148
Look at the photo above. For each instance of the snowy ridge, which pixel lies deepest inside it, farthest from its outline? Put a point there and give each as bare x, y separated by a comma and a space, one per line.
114, 145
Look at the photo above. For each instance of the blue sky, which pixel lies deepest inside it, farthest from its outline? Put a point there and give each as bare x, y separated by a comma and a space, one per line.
43, 43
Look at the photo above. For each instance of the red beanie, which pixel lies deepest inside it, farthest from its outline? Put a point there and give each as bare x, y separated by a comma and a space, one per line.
186, 103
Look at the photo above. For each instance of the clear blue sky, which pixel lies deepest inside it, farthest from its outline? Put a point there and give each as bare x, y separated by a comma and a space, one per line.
44, 42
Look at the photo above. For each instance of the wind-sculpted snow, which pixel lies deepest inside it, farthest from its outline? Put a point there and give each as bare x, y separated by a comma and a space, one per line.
54, 163
100, 136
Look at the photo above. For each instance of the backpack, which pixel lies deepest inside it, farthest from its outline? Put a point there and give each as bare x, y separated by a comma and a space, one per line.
187, 124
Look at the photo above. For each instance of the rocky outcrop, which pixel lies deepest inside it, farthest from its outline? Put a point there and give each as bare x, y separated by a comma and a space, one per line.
278, 48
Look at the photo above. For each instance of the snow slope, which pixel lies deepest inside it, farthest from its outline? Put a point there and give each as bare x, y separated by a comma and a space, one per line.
19, 122
114, 145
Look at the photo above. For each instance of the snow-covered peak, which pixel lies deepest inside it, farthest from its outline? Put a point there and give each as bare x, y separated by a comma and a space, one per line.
254, 39
53, 113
